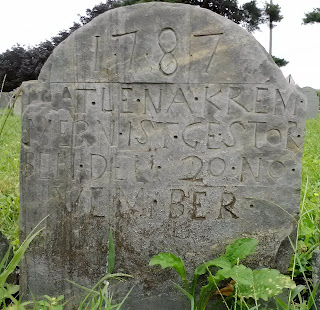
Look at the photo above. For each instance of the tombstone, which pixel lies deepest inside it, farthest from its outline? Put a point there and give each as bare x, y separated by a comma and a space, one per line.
180, 136
312, 102
290, 80
16, 101
4, 100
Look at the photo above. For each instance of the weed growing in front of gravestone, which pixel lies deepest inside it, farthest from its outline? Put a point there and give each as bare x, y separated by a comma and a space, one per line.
99, 296
8, 267
301, 303
51, 303
246, 283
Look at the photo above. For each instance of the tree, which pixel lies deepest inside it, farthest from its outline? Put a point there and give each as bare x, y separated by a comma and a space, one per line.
18, 64
96, 11
272, 12
312, 17
247, 15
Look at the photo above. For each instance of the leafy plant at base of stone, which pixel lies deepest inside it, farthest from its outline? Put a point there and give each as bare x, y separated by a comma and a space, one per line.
263, 283
52, 303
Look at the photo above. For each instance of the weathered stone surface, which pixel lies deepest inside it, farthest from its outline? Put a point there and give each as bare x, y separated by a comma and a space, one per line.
316, 275
169, 124
5, 99
4, 246
312, 102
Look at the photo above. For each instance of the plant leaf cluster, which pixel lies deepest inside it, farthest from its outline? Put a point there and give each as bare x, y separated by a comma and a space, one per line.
257, 284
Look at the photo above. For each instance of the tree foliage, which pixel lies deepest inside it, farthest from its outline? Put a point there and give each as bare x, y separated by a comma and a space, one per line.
312, 17
280, 61
22, 64
272, 12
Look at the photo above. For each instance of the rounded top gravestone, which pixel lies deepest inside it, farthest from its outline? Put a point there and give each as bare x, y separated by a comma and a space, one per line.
169, 124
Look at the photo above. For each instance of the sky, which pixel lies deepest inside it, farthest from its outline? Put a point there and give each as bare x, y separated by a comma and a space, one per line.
30, 22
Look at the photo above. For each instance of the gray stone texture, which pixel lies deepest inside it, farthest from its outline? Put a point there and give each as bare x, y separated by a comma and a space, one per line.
4, 246
316, 276
312, 102
290, 80
5, 99
172, 126
17, 103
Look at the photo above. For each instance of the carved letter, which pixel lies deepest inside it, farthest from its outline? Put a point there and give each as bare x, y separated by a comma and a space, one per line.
228, 201
179, 98
98, 166
246, 168
198, 209
45, 166
259, 106
176, 205
156, 106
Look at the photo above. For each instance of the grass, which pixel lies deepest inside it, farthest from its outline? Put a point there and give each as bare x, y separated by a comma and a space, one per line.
9, 176
308, 233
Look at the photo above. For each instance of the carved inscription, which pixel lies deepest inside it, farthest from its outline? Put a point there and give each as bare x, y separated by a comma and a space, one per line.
143, 123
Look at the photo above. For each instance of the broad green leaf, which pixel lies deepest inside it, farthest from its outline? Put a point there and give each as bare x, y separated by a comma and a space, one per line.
111, 253
169, 260
218, 276
241, 248
266, 283
239, 273
221, 262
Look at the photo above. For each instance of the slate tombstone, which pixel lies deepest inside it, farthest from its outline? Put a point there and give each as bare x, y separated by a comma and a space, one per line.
5, 99
172, 126
312, 102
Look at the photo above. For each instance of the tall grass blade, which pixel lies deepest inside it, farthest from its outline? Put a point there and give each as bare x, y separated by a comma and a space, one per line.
111, 253
123, 300
18, 255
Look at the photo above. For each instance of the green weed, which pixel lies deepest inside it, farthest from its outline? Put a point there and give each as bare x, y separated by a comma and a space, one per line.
100, 297
255, 284
7, 267
308, 229
9, 178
